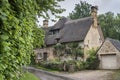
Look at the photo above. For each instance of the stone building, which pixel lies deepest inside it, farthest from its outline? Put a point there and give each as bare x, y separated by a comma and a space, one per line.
86, 31
109, 54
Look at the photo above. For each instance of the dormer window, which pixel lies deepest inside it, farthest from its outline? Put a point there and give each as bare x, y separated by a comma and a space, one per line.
54, 32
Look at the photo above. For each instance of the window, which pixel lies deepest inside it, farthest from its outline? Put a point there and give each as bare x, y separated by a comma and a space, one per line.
54, 32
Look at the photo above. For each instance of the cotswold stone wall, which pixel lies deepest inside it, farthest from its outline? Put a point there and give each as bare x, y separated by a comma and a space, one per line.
92, 40
107, 48
44, 75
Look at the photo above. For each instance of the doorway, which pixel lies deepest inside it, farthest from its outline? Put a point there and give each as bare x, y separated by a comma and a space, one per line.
45, 55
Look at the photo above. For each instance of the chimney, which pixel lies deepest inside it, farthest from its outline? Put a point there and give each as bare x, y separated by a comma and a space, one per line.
94, 15
45, 23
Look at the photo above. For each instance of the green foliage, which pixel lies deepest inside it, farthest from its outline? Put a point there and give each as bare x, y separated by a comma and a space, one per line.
59, 50
92, 61
53, 65
115, 75
1, 77
81, 10
38, 37
75, 49
110, 24
62, 65
72, 49
29, 76
59, 46
17, 23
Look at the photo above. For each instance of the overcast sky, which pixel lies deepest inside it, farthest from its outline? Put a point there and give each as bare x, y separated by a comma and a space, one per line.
103, 6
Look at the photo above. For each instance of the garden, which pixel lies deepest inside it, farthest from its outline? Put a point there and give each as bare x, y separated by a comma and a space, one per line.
69, 58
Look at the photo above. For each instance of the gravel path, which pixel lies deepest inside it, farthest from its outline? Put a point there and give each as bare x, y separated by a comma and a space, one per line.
91, 75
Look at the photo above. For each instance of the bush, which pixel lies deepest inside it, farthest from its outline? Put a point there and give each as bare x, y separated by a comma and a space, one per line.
69, 66
80, 65
92, 61
54, 65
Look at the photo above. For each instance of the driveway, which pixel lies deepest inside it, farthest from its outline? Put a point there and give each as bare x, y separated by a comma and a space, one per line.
81, 75
91, 75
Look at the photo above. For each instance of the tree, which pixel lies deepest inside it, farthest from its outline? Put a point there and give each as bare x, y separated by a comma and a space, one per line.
110, 24
17, 22
81, 10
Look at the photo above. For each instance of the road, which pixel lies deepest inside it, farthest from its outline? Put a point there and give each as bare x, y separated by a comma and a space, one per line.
91, 75
81, 75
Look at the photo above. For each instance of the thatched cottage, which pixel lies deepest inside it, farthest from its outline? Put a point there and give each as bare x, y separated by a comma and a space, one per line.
86, 31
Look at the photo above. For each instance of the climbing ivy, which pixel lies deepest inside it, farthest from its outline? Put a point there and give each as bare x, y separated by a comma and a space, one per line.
38, 35
72, 49
17, 22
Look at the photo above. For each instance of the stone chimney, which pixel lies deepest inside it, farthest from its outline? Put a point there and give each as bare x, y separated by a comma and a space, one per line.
45, 23
94, 15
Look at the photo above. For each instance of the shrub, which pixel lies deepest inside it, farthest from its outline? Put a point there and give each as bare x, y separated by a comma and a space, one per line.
69, 66
54, 65
80, 65
92, 61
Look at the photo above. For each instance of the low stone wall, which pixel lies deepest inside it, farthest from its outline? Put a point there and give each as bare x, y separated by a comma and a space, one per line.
45, 75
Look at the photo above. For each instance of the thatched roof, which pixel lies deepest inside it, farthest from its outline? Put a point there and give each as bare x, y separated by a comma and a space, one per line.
59, 24
75, 30
69, 30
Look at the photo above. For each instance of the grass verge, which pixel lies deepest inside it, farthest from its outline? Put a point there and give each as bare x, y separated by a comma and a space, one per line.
46, 69
29, 76
115, 75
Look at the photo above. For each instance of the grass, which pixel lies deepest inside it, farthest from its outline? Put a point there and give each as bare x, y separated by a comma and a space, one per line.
29, 76
46, 69
26, 76
115, 75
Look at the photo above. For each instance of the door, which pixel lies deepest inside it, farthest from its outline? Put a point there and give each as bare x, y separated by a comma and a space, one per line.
45, 56
109, 61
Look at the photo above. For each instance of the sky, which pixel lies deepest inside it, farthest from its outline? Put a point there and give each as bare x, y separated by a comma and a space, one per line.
103, 6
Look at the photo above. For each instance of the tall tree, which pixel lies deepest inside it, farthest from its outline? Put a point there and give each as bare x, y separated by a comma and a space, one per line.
17, 22
110, 24
81, 10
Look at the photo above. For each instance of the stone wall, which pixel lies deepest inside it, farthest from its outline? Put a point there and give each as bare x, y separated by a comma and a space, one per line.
92, 40
39, 54
108, 48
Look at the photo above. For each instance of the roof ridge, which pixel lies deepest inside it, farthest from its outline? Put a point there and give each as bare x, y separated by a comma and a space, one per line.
108, 38
81, 19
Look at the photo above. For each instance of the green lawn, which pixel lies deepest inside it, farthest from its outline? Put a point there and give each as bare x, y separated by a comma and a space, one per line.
29, 76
